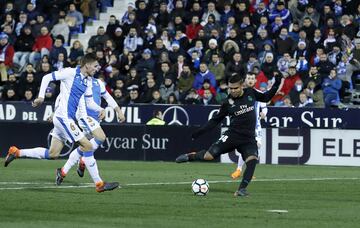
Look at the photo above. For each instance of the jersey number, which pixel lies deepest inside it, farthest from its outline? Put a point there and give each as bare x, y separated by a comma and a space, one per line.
223, 138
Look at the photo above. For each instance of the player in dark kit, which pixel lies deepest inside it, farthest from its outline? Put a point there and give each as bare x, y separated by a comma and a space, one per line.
240, 107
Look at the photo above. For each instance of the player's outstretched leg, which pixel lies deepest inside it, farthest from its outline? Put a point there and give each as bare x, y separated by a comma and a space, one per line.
248, 174
193, 156
14, 152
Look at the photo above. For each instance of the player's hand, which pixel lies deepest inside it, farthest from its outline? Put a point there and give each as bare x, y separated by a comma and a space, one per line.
102, 114
121, 116
50, 119
262, 115
37, 102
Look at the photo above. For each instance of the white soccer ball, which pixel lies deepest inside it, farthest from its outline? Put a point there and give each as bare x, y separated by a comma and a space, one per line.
200, 187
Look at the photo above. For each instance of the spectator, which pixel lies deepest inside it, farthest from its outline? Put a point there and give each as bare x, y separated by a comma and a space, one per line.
315, 94
76, 52
208, 98
217, 67
98, 41
167, 88
296, 91
281, 11
193, 28
132, 41
172, 100
57, 49
165, 72
74, 19
119, 97
130, 9
130, 23
156, 97
23, 47
61, 28
61, 62
134, 97
31, 13
133, 79
40, 22
21, 23
112, 26
145, 64
227, 13
206, 86
177, 67
42, 46
269, 67
142, 13
118, 38
284, 44
157, 118
202, 75
148, 89
11, 83
28, 96
213, 49
163, 17
331, 87
192, 97
287, 85
6, 56
235, 66
50, 94
185, 81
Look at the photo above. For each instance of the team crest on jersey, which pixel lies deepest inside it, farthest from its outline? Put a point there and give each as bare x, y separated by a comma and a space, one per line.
84, 81
250, 98
72, 127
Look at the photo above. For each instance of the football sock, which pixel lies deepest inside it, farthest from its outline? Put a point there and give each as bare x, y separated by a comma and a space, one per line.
198, 156
248, 174
74, 157
38, 152
95, 143
240, 163
91, 166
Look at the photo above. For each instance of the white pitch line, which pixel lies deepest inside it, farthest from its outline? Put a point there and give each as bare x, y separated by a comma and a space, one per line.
88, 185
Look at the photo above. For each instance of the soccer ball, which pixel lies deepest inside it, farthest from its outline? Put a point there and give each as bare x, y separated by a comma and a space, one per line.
200, 187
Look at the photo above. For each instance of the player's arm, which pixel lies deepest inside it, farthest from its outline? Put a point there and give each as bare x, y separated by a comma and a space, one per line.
90, 103
213, 122
265, 97
264, 110
112, 103
54, 76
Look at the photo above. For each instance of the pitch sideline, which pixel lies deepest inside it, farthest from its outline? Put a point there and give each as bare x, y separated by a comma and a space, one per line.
49, 185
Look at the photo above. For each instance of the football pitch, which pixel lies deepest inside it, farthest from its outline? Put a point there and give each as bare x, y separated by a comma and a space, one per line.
158, 194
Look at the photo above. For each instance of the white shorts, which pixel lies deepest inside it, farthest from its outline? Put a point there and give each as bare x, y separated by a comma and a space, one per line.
65, 129
88, 124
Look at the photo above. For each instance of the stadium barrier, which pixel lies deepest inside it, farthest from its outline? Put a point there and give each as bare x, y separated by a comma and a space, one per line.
198, 115
148, 143
306, 146
123, 142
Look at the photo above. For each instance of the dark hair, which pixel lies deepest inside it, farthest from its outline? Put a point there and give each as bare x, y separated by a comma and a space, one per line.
156, 113
235, 78
88, 58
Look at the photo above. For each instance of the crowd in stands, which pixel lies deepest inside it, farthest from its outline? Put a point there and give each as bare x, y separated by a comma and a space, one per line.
184, 51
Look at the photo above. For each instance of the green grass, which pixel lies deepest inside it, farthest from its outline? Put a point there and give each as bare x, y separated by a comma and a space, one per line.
310, 203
